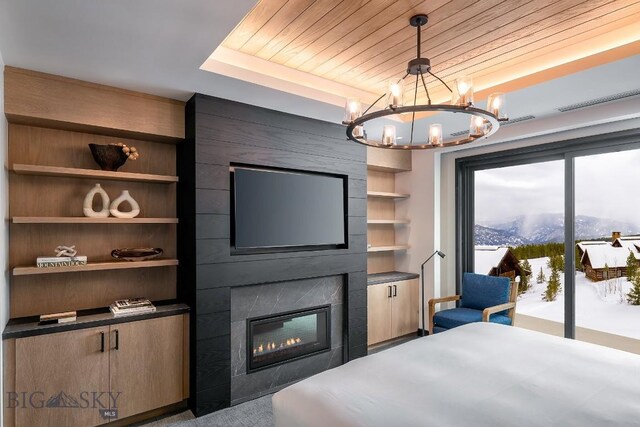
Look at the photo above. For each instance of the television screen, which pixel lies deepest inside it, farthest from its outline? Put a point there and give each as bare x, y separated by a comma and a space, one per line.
287, 209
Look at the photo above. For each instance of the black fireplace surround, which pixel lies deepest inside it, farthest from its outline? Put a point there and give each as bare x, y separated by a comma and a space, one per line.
221, 133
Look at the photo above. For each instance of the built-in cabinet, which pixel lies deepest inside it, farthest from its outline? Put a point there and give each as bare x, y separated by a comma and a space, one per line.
68, 378
392, 310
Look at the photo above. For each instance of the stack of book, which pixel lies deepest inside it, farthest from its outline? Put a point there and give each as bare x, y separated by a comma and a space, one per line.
131, 306
61, 261
69, 316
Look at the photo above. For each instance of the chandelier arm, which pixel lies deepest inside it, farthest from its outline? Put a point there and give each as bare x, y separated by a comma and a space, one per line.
425, 87
413, 114
374, 103
442, 81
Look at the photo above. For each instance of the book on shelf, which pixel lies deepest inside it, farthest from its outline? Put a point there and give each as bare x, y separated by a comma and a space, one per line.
131, 306
62, 261
69, 316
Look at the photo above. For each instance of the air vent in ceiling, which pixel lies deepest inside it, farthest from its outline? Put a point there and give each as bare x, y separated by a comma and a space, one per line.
510, 122
599, 100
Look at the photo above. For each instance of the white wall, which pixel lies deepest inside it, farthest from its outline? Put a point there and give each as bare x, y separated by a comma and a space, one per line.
4, 227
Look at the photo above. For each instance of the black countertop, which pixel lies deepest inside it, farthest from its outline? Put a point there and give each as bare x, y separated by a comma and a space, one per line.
389, 276
29, 326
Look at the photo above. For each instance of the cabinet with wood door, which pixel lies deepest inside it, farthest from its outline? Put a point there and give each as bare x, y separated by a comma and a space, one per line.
69, 378
392, 310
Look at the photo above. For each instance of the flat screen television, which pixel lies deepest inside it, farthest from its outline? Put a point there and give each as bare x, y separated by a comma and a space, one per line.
279, 210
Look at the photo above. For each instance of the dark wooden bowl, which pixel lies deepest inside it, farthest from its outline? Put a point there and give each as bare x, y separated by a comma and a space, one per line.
136, 254
108, 157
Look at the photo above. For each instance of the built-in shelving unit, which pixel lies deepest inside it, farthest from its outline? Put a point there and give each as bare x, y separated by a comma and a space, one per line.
96, 266
91, 173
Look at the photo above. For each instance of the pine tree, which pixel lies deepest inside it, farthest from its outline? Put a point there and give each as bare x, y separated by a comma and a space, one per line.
632, 267
553, 286
633, 297
541, 278
524, 279
579, 266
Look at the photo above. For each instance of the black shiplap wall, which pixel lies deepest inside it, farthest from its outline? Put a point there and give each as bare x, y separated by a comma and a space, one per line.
220, 132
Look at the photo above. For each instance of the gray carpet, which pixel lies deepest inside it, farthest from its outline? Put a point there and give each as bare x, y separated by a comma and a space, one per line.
255, 413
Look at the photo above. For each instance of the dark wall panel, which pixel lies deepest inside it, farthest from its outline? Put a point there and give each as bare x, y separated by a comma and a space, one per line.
220, 133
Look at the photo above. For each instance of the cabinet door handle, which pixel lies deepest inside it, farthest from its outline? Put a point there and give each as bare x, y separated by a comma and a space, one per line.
102, 342
395, 290
389, 293
117, 347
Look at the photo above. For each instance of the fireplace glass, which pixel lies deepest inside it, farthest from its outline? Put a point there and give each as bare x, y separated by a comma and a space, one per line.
279, 338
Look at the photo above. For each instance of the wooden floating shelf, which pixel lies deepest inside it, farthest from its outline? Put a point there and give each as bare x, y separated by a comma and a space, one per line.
91, 173
388, 221
96, 266
388, 248
89, 220
385, 195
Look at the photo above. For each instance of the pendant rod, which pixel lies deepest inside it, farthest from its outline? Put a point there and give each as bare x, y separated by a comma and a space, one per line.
425, 86
413, 114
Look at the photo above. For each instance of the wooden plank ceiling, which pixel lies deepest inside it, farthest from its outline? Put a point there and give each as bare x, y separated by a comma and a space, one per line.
364, 43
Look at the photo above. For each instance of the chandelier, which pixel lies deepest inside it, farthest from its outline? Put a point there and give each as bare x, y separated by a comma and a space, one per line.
483, 122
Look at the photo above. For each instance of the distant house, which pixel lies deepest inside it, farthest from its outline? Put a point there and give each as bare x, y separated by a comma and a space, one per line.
607, 260
497, 261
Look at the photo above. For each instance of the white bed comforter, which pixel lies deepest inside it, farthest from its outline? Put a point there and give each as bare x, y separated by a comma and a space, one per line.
482, 374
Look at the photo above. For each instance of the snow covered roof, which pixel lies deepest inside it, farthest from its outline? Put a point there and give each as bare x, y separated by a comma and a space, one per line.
487, 258
612, 256
583, 245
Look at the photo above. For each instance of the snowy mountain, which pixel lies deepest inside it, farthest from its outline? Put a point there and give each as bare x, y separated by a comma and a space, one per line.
62, 400
548, 228
494, 237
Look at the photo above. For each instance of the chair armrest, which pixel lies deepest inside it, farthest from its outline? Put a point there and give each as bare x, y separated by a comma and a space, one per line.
487, 312
432, 305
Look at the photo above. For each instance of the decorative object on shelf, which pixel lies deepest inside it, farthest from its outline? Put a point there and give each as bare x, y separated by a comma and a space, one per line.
124, 197
69, 316
87, 207
65, 257
423, 330
131, 306
461, 102
109, 157
66, 251
136, 254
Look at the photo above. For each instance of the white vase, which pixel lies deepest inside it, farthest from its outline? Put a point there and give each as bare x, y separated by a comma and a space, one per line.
87, 206
124, 197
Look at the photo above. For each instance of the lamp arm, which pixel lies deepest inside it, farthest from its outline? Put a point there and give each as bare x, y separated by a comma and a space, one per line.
427, 260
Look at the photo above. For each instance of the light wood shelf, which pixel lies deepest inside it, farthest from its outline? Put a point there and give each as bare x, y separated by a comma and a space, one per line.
385, 195
91, 173
96, 266
89, 220
388, 248
388, 221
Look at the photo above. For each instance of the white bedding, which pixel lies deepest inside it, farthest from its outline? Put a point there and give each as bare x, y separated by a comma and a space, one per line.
481, 374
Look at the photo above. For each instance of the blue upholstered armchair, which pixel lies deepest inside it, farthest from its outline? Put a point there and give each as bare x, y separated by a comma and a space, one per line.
483, 299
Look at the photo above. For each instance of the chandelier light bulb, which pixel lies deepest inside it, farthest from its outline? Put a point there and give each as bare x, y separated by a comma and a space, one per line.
389, 135
352, 110
496, 105
435, 134
464, 86
395, 89
477, 127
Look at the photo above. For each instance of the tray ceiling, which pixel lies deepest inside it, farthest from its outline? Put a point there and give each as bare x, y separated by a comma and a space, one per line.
330, 49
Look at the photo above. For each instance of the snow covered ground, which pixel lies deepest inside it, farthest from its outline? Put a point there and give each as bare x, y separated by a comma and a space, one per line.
599, 305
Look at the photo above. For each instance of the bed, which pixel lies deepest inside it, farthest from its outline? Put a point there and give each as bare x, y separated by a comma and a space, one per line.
481, 374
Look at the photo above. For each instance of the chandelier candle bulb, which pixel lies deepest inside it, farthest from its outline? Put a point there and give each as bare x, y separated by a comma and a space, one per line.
358, 132
389, 135
476, 129
435, 134
496, 105
464, 86
352, 110
396, 93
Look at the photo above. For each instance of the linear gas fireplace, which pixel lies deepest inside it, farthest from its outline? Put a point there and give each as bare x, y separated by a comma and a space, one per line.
279, 338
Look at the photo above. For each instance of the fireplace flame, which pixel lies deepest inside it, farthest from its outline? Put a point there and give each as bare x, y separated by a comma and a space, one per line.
272, 346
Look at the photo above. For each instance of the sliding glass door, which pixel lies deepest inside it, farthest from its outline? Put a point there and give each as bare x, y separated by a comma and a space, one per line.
519, 233
561, 219
607, 208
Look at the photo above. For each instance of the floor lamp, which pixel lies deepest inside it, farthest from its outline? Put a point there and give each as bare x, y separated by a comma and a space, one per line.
423, 331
